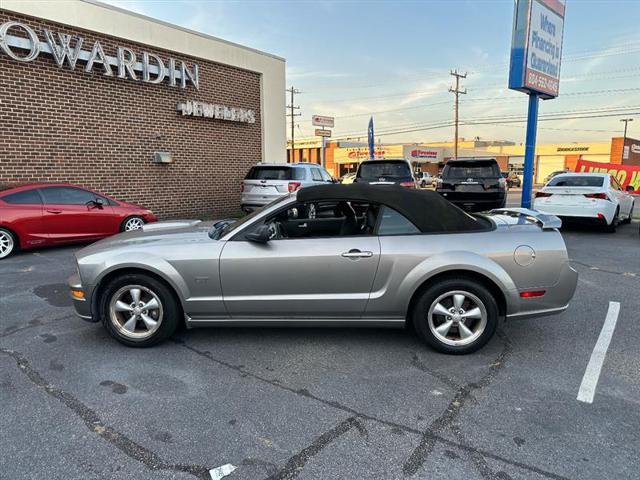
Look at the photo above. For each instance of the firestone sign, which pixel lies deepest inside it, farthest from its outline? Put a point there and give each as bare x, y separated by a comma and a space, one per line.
67, 50
537, 47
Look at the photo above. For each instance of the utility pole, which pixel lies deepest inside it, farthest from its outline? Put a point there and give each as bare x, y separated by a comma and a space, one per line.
624, 137
457, 92
292, 108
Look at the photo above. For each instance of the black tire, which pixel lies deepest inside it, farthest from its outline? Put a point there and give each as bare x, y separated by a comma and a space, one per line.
170, 310
8, 243
628, 219
428, 299
611, 227
126, 221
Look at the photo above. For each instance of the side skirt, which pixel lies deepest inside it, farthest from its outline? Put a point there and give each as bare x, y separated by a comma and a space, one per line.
296, 322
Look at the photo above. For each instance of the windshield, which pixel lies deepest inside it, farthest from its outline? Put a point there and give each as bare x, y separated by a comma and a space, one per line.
382, 168
576, 181
262, 172
474, 169
241, 221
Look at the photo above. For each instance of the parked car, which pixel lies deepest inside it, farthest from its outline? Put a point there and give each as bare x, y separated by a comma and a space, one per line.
348, 178
266, 182
42, 215
386, 172
424, 179
367, 256
553, 174
512, 179
593, 197
474, 184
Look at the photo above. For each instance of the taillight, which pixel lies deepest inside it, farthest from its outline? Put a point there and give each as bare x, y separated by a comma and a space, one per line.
241, 187
408, 184
532, 293
293, 186
543, 194
599, 196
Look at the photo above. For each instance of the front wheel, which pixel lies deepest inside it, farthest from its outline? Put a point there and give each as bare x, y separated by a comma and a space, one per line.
132, 223
139, 310
456, 316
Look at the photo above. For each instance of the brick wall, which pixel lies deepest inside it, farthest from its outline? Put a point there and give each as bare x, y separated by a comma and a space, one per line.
59, 125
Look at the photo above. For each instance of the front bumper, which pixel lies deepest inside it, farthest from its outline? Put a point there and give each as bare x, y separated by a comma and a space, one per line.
555, 300
82, 306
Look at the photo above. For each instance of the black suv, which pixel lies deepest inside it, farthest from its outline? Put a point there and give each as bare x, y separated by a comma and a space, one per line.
386, 172
474, 184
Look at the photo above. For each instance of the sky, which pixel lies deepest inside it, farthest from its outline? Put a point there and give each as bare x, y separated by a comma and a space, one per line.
392, 60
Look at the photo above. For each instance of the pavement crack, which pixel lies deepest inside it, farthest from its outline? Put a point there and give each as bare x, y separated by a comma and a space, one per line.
296, 463
420, 365
462, 446
452, 412
604, 270
35, 322
94, 423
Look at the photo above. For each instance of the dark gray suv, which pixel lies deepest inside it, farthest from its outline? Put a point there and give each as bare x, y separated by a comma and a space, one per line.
267, 181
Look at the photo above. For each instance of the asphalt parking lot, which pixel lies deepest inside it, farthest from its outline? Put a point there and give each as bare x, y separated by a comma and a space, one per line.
320, 403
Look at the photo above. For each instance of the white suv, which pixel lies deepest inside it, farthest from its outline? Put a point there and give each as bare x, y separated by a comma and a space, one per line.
268, 181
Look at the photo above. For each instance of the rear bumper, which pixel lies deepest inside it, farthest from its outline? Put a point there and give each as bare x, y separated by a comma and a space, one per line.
588, 212
249, 202
555, 300
82, 306
476, 200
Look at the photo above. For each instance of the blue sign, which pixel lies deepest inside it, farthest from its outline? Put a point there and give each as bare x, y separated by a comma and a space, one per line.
536, 47
371, 138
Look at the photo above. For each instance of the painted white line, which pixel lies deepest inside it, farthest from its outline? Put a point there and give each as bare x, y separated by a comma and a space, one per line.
592, 374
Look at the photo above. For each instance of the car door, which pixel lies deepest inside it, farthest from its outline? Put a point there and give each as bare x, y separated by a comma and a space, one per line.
308, 277
70, 215
22, 212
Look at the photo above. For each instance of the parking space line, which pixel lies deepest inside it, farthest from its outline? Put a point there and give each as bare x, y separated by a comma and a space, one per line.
592, 374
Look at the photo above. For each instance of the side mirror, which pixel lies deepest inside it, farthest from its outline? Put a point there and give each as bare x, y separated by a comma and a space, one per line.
260, 235
630, 188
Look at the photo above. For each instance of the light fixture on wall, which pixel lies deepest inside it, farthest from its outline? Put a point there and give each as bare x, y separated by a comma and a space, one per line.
162, 157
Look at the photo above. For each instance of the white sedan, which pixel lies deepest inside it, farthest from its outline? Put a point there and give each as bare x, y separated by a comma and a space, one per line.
586, 196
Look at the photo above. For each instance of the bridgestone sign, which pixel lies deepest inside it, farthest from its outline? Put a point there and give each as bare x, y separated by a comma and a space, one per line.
67, 50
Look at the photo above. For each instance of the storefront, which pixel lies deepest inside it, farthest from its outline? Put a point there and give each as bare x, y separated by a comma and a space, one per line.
133, 107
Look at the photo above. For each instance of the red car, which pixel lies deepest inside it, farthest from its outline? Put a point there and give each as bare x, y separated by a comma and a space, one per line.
39, 215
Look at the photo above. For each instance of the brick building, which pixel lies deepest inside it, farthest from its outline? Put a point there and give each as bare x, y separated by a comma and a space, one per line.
133, 107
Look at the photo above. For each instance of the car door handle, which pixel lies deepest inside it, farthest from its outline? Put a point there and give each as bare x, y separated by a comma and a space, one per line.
54, 211
357, 254
302, 225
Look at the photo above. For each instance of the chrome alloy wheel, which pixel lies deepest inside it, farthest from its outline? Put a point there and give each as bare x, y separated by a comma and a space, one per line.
6, 244
135, 311
457, 318
134, 223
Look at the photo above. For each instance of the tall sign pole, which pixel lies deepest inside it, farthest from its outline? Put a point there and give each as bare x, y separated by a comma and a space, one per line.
536, 52
323, 133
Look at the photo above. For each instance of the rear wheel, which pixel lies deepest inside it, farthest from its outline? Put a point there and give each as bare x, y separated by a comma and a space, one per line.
628, 219
139, 310
8, 243
611, 227
456, 316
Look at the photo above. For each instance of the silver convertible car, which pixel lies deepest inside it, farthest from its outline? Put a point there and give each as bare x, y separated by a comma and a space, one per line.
331, 255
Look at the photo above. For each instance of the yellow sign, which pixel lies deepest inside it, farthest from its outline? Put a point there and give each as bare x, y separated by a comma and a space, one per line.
358, 154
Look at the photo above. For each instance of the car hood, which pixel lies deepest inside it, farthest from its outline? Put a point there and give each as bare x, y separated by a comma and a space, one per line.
162, 233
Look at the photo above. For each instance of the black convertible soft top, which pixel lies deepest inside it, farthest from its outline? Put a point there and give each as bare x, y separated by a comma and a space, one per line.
426, 209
